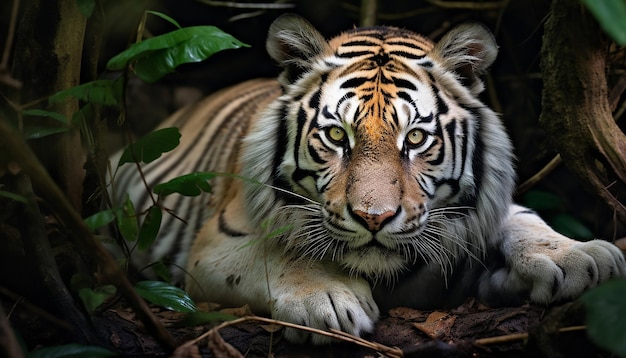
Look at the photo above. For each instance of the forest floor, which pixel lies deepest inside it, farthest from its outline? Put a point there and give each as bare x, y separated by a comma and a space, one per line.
470, 330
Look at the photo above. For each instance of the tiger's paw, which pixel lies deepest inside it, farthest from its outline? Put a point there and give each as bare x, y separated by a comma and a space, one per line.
345, 305
560, 268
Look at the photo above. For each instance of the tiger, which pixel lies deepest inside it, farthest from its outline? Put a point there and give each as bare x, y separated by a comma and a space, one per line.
368, 175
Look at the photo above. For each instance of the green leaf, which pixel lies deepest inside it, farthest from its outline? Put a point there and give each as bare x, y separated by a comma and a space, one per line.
104, 92
83, 114
277, 232
150, 228
265, 225
92, 299
164, 17
151, 146
606, 316
127, 220
155, 57
192, 184
162, 271
199, 317
571, 227
71, 351
36, 132
41, 113
166, 295
542, 200
86, 7
13, 196
100, 219
611, 14
81, 280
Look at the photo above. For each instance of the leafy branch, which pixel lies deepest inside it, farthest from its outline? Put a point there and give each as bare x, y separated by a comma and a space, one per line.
111, 271
150, 60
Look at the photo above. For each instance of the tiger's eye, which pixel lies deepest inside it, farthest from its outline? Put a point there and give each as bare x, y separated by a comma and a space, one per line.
416, 137
336, 134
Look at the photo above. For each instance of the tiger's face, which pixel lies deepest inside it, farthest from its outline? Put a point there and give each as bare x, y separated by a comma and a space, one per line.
382, 137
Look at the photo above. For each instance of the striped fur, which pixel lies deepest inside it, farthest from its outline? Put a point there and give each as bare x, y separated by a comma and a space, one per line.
215, 143
375, 177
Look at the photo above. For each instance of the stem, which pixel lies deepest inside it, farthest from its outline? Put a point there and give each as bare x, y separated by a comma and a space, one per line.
10, 35
532, 181
9, 347
110, 270
368, 12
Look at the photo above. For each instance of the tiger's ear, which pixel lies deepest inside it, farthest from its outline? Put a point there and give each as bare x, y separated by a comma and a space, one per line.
469, 50
293, 42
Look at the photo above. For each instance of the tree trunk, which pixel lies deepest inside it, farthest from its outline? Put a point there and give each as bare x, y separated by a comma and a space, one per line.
48, 59
575, 107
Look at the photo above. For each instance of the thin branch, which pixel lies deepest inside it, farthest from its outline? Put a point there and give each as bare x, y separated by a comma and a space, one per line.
391, 16
10, 35
39, 255
532, 181
620, 111
369, 8
110, 270
9, 347
616, 92
5, 76
239, 5
19, 300
346, 337
469, 5
385, 350
388, 351
519, 336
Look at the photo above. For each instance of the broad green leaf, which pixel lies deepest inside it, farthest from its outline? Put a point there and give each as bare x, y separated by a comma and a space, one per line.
127, 220
611, 14
542, 200
164, 17
42, 113
13, 196
188, 185
100, 219
199, 317
86, 7
165, 295
71, 351
92, 299
606, 316
570, 226
151, 146
150, 228
104, 92
36, 132
160, 55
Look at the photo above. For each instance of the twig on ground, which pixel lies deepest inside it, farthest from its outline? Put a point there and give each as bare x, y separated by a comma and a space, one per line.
519, 336
389, 351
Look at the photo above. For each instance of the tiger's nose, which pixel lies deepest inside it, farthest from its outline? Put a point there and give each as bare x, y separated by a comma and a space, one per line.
373, 222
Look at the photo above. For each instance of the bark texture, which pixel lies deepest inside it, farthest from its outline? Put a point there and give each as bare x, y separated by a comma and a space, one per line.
48, 57
575, 105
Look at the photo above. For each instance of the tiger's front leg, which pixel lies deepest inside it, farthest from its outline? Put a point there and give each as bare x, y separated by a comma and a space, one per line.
231, 266
545, 266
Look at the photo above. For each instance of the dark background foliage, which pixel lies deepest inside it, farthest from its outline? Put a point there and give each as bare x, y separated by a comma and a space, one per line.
514, 89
